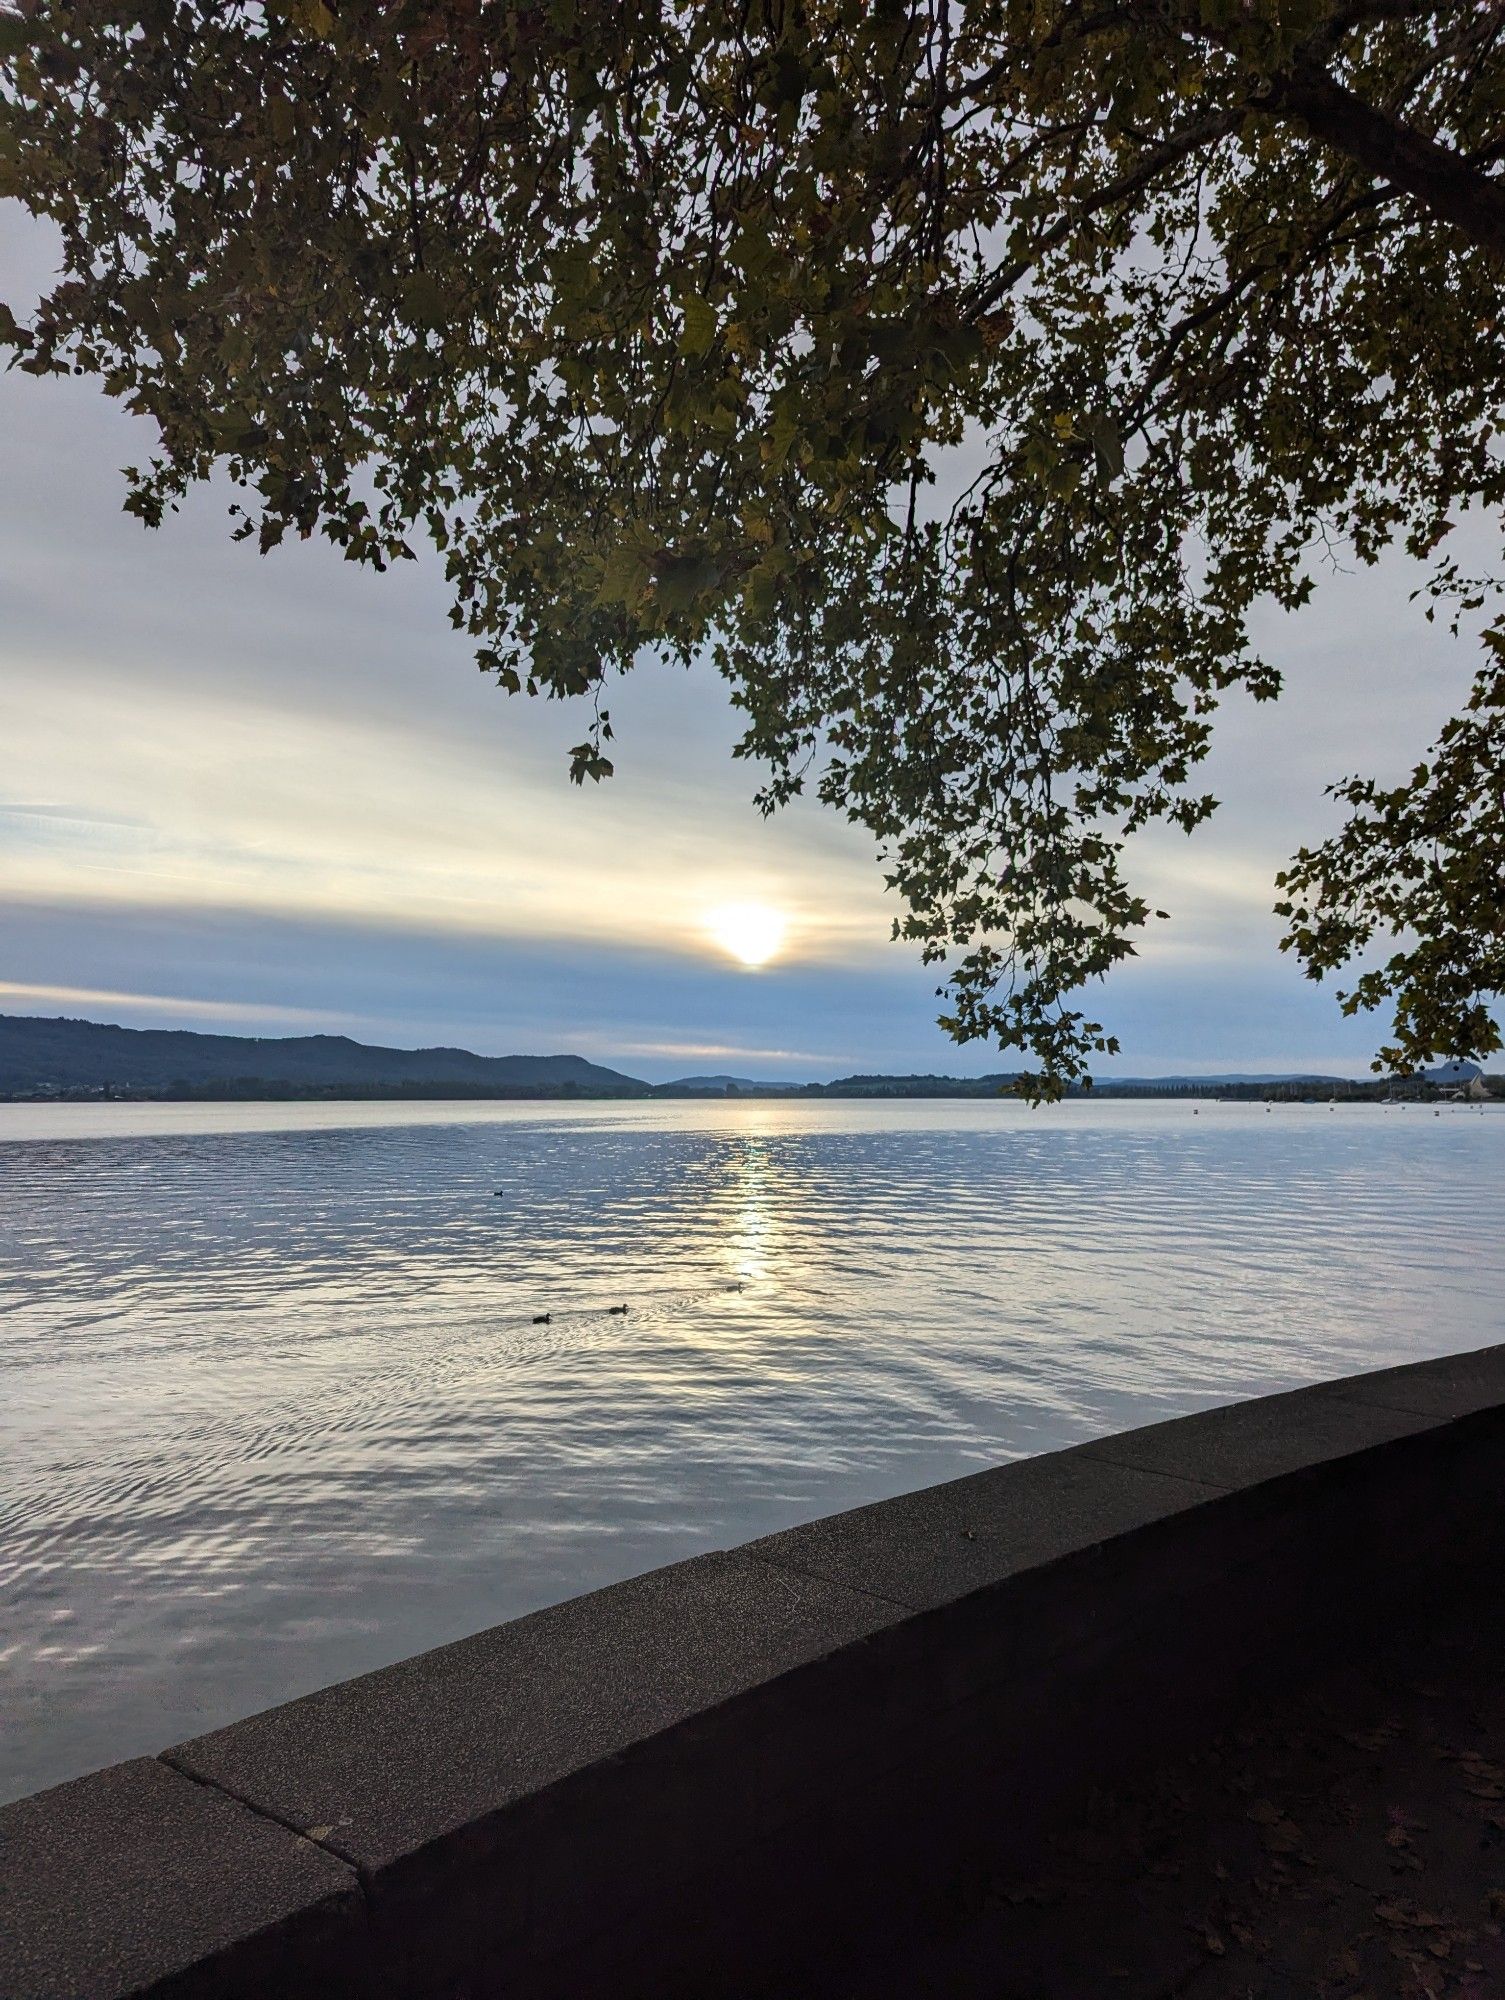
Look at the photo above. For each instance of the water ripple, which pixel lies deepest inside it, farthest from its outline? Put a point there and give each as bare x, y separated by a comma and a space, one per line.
278, 1405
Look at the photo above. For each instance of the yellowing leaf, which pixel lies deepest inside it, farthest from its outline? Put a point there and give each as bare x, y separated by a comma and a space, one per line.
699, 332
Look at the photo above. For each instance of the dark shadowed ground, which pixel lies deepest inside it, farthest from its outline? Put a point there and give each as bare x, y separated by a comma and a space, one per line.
1342, 1842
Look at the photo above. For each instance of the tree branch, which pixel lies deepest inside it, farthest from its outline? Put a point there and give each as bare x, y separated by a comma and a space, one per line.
1201, 132
1446, 182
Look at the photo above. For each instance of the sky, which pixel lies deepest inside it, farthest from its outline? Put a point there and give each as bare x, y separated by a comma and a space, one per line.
273, 795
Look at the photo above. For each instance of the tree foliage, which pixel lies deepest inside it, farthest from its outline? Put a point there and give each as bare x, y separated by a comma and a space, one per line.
957, 377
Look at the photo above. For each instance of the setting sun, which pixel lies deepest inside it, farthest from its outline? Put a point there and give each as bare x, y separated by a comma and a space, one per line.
751, 932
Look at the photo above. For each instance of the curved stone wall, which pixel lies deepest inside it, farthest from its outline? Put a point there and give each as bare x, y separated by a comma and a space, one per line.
717, 1777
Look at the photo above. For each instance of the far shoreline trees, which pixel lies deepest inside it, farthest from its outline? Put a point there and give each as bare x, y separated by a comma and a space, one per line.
660, 320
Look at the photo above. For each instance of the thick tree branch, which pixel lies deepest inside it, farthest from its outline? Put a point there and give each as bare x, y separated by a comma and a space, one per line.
1396, 153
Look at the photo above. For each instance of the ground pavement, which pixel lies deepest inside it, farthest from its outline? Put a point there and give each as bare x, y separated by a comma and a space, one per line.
1343, 1843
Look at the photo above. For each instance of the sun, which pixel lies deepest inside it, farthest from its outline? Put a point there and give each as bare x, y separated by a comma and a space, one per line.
751, 933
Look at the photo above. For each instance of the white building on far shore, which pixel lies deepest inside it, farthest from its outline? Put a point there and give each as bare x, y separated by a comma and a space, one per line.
1460, 1080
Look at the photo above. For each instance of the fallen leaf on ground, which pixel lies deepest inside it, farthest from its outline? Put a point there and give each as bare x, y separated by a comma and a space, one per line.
1477, 1761
1407, 1915
1371, 1739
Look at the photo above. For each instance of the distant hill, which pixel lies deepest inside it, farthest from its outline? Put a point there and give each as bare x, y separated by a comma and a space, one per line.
919, 1086
1243, 1081
711, 1086
1231, 1076
43, 1056
63, 1058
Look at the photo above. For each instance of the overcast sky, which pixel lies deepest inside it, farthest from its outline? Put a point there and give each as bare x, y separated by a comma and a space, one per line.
274, 796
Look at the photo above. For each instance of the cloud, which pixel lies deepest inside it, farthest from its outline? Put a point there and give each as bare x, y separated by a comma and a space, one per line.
728, 1051
622, 1006
17, 997
217, 795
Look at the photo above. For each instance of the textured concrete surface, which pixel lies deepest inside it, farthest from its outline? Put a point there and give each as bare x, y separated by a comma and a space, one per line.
928, 1548
1345, 1842
1245, 1443
137, 1880
1457, 1385
382, 1767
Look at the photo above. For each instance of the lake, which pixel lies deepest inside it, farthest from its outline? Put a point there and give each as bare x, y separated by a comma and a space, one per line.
275, 1408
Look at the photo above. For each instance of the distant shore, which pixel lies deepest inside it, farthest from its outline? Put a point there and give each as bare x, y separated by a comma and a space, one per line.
881, 1089
65, 1061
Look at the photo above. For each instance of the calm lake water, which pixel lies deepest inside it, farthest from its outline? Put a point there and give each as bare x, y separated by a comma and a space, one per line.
273, 1407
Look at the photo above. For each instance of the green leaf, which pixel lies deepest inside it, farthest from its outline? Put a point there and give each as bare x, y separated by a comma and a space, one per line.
699, 332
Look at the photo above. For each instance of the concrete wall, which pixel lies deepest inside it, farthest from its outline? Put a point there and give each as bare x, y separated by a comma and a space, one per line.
716, 1777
